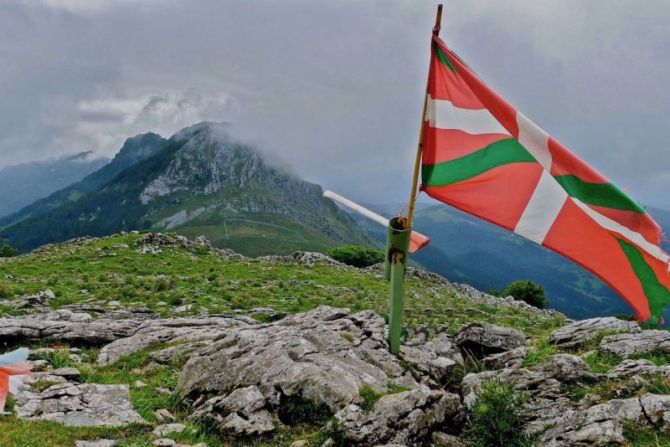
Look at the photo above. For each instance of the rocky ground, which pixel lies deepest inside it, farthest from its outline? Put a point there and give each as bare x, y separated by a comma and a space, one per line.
115, 373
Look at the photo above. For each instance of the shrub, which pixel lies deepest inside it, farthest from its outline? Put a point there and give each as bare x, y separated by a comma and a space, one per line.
527, 291
498, 418
356, 255
5, 291
7, 251
297, 409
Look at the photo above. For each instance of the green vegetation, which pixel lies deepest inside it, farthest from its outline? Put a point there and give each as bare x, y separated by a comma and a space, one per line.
639, 436
296, 410
498, 418
5, 291
370, 396
7, 251
540, 351
356, 255
527, 291
114, 269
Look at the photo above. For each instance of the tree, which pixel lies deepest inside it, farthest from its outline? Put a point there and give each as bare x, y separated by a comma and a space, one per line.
356, 255
527, 291
7, 251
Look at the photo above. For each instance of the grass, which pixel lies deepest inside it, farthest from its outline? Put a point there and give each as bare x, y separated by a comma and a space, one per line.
498, 418
600, 363
112, 270
638, 436
370, 396
540, 352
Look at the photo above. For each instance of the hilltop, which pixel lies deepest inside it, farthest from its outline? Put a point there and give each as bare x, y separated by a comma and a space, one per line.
154, 339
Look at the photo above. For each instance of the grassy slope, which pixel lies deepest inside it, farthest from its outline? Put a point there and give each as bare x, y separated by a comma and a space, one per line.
113, 270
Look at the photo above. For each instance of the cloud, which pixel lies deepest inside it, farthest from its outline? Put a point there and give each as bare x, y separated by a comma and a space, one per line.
102, 122
80, 6
333, 88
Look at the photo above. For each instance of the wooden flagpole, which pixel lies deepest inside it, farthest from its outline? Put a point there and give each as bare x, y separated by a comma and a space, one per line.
399, 231
419, 147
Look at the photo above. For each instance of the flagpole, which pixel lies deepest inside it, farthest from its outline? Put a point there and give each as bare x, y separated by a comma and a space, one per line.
398, 237
419, 146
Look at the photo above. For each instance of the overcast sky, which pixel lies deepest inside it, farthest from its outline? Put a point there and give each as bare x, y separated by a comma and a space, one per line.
334, 88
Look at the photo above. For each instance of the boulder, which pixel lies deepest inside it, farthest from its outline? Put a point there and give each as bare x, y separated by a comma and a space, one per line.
166, 429
508, 359
308, 355
437, 358
595, 426
172, 330
82, 405
624, 345
579, 332
97, 443
482, 339
66, 326
567, 368
630, 368
38, 300
402, 418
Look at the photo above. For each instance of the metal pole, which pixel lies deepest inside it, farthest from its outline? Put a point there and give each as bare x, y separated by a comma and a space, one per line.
419, 146
395, 266
399, 231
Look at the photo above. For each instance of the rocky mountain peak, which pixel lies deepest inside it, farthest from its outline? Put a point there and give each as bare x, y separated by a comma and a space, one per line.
139, 147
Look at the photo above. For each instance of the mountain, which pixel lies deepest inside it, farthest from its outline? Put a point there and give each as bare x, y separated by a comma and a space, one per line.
22, 184
199, 182
468, 250
134, 150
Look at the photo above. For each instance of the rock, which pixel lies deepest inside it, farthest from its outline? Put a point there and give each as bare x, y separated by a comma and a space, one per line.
139, 384
302, 355
397, 418
482, 339
437, 358
163, 415
166, 429
328, 443
595, 426
183, 309
97, 443
83, 405
299, 443
165, 442
304, 258
40, 299
256, 424
68, 373
566, 368
579, 332
66, 326
629, 368
507, 359
602, 424
624, 345
440, 439
173, 330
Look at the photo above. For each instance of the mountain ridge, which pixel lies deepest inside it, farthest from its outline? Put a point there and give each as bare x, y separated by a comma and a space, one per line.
199, 181
23, 184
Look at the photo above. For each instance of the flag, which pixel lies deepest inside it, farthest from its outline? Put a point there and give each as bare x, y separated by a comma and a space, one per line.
14, 367
486, 158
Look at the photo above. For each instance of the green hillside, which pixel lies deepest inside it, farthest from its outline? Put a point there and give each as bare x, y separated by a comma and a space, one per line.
162, 273
465, 249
